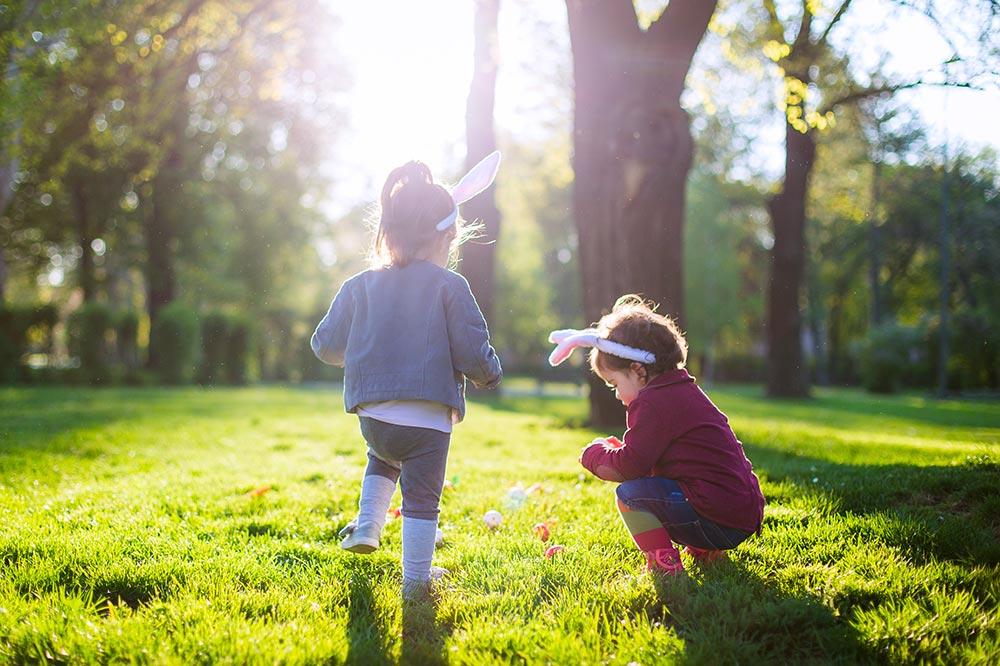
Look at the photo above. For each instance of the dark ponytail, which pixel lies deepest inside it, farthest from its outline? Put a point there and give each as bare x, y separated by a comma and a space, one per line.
411, 206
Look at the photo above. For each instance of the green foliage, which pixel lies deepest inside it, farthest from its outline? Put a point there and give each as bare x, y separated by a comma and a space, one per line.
974, 344
237, 350
89, 335
537, 271
174, 343
20, 326
894, 355
224, 348
188, 526
723, 276
190, 132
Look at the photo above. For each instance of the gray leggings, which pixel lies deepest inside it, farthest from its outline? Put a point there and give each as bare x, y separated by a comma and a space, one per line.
416, 457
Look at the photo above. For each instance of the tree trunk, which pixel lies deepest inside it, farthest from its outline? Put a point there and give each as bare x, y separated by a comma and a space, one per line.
84, 237
479, 256
8, 167
161, 237
786, 372
632, 153
874, 249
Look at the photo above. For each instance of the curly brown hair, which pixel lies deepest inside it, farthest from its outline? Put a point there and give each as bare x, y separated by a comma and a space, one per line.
634, 322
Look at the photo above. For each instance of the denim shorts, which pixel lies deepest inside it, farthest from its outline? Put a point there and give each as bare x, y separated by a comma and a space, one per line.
664, 499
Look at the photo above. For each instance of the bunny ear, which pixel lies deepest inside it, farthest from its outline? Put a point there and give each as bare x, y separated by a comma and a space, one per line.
562, 334
569, 343
568, 339
478, 179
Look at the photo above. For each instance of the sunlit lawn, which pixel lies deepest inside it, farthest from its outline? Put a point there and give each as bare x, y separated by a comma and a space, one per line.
199, 526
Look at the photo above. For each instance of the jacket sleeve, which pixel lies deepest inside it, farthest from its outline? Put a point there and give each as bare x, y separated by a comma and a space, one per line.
471, 351
329, 341
640, 452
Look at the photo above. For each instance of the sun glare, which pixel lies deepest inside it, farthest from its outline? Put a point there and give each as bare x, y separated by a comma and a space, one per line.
411, 70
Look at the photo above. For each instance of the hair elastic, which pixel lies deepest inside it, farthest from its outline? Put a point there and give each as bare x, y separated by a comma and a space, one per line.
474, 182
569, 339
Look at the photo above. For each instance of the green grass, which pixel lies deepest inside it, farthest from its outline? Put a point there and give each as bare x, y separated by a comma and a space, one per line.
129, 533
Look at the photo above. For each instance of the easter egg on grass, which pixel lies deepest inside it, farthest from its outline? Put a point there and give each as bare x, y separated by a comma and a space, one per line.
492, 519
541, 530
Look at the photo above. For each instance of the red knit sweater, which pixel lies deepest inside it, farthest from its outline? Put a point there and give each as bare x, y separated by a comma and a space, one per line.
675, 431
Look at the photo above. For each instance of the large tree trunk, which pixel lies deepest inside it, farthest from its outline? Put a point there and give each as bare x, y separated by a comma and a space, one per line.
632, 153
479, 256
787, 375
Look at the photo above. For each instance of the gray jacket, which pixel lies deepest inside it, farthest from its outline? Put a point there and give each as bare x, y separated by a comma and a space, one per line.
412, 333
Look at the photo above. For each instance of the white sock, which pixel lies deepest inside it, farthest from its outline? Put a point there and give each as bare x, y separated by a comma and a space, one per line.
418, 549
376, 493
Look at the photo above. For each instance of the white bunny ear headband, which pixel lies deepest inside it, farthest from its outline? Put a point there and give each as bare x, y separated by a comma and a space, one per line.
569, 339
478, 179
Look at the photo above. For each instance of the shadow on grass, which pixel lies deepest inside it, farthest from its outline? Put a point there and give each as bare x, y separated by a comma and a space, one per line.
730, 615
32, 418
837, 406
368, 631
35, 418
424, 636
566, 413
948, 512
371, 627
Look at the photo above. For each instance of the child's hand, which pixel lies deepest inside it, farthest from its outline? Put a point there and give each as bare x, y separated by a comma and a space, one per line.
598, 441
612, 443
609, 443
604, 472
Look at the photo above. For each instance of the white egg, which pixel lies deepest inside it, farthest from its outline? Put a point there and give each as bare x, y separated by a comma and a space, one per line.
493, 519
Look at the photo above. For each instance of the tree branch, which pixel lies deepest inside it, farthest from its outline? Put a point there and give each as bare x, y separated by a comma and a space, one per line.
865, 93
802, 39
836, 17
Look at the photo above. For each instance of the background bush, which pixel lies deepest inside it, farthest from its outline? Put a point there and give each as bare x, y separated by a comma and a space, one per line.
174, 338
224, 348
24, 329
893, 355
91, 335
974, 351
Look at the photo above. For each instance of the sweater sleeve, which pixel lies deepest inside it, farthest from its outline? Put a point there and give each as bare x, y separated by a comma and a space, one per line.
471, 351
329, 341
640, 452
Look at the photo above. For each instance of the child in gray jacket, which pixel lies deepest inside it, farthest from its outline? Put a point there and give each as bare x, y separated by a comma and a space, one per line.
408, 333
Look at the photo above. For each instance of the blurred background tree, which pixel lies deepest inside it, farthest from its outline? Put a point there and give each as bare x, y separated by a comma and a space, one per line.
202, 156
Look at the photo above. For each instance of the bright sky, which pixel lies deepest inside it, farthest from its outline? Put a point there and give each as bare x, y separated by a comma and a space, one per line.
412, 69
962, 116
412, 63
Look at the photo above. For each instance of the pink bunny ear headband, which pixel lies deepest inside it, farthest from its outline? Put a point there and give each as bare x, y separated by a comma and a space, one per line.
569, 339
478, 179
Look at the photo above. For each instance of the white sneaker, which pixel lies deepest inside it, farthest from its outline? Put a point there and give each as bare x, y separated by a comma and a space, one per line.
359, 541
